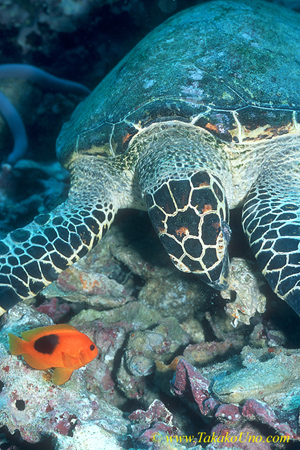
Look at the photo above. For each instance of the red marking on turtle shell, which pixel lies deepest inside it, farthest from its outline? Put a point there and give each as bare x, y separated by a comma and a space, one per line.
212, 127
126, 137
205, 183
206, 208
182, 231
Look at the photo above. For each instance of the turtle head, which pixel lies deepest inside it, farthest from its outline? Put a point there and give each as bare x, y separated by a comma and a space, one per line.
191, 216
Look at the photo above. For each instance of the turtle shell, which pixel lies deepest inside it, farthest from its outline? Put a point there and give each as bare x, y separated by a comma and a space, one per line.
229, 67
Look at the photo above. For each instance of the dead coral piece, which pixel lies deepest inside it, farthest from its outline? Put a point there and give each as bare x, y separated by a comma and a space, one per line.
165, 289
264, 335
246, 281
170, 295
194, 328
131, 316
144, 347
55, 309
94, 288
274, 378
206, 352
132, 386
99, 373
19, 319
88, 436
155, 421
258, 411
132, 250
195, 390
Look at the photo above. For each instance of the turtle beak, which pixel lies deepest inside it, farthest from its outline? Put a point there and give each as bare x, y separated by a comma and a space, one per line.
222, 254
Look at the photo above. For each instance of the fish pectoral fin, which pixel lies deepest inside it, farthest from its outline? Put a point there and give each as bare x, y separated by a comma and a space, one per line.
35, 363
82, 357
61, 375
69, 361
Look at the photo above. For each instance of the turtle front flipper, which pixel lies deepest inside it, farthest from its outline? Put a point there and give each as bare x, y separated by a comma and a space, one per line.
271, 221
32, 257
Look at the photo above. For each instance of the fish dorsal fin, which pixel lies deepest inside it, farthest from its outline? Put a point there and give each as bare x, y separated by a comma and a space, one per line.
35, 363
61, 375
68, 360
42, 331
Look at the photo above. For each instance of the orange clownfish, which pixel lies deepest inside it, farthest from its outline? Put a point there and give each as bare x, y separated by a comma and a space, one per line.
59, 346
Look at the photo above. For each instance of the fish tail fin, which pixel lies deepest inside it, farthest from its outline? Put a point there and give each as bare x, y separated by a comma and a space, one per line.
15, 344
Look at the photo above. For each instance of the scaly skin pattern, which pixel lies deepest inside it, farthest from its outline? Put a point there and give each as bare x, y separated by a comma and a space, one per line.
200, 117
32, 257
185, 198
271, 221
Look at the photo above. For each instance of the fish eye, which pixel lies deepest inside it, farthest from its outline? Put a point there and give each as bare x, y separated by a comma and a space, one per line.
92, 347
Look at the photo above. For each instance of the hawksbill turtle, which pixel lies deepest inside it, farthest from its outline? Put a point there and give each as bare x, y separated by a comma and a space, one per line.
200, 117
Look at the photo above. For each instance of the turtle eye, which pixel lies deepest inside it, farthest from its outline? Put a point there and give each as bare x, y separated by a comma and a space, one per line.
92, 347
